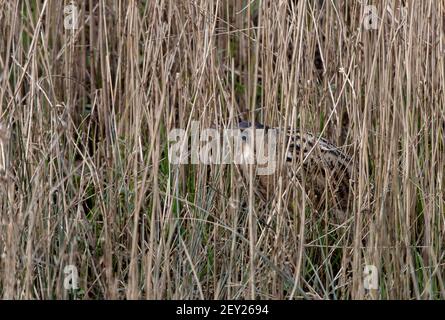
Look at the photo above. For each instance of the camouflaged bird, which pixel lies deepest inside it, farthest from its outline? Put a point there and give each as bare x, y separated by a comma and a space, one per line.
324, 168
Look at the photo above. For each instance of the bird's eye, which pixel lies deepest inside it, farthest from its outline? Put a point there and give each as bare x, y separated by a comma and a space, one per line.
244, 136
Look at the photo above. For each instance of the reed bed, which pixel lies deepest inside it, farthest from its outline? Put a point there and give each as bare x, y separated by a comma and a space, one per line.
86, 180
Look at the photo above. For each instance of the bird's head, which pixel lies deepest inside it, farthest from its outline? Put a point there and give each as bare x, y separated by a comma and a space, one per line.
248, 127
254, 137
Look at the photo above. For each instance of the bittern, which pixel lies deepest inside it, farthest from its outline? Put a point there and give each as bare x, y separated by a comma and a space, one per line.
323, 169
